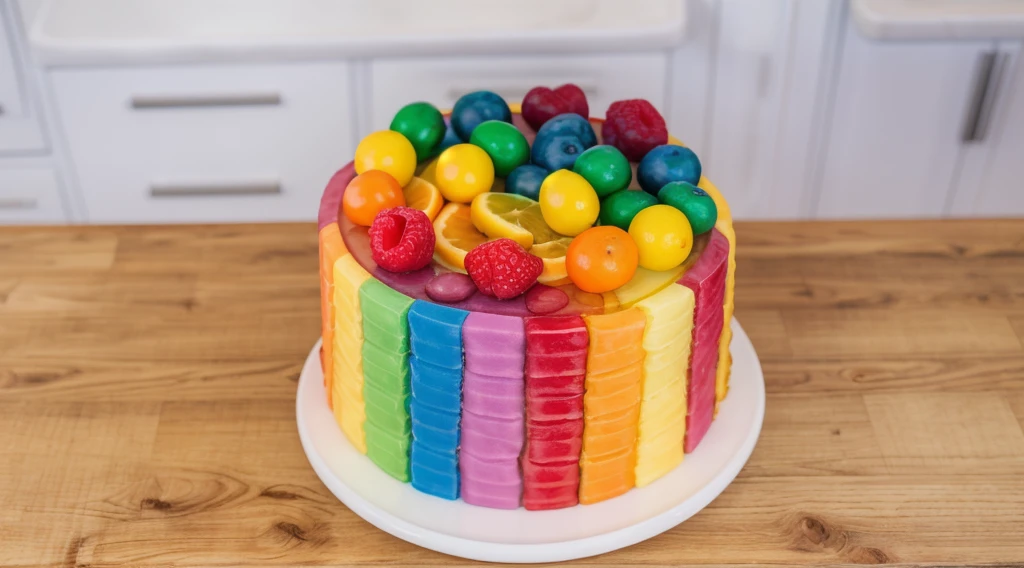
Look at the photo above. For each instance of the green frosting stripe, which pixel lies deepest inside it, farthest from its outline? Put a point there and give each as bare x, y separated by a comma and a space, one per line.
386, 374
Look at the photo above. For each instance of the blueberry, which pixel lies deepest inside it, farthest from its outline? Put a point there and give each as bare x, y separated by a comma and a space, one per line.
556, 152
475, 108
525, 180
665, 164
570, 124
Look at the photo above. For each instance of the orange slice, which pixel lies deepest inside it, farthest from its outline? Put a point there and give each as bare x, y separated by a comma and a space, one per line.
456, 236
553, 255
423, 195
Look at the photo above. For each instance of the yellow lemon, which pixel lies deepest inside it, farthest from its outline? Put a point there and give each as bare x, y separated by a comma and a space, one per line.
463, 172
455, 236
423, 195
663, 237
553, 255
389, 152
568, 202
511, 216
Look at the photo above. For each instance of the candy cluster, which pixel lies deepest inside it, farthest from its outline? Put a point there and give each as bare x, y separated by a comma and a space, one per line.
473, 194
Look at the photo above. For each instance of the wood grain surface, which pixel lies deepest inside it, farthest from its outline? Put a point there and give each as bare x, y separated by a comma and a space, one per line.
147, 384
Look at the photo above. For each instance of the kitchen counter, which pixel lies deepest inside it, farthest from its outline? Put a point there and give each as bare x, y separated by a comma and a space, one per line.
148, 374
99, 32
939, 20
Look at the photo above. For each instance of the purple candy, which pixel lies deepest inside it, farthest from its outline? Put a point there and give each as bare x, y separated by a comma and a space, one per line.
450, 287
543, 300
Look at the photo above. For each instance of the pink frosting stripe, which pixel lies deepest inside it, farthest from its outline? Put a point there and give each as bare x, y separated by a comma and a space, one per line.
707, 280
330, 202
492, 420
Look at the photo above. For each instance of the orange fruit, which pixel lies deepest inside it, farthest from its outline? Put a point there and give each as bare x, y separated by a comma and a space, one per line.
455, 236
370, 193
601, 259
423, 195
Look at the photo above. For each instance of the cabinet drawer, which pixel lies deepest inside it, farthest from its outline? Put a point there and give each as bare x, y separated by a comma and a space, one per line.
205, 143
605, 78
29, 195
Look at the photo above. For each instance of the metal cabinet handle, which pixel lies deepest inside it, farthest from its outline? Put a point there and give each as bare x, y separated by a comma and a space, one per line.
142, 102
18, 203
210, 189
988, 75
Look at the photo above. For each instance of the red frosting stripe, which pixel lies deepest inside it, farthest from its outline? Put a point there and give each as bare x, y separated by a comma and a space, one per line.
556, 364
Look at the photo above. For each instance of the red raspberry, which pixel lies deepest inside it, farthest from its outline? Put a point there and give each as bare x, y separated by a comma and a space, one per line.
542, 104
634, 127
402, 239
503, 268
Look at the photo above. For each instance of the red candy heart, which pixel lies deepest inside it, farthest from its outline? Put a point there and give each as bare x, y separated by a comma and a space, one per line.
542, 104
503, 268
634, 127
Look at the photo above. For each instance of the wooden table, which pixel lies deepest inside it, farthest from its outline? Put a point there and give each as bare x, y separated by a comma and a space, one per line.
147, 382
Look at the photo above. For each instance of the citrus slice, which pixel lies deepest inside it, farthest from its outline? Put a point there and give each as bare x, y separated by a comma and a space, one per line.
508, 215
456, 236
423, 195
553, 255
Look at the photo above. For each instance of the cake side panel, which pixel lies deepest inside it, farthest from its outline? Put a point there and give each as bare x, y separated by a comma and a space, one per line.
332, 247
349, 405
611, 404
556, 366
435, 342
386, 377
666, 343
493, 408
707, 282
724, 226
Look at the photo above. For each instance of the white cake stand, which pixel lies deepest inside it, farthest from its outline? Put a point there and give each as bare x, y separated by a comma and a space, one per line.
478, 533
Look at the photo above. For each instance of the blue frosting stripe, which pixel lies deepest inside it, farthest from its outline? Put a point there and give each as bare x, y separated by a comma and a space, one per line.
435, 362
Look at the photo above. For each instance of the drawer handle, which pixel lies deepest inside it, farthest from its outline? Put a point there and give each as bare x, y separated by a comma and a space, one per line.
18, 203
207, 189
143, 102
512, 90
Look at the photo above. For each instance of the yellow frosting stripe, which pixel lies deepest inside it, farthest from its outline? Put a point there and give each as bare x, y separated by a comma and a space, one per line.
666, 342
724, 226
349, 407
332, 247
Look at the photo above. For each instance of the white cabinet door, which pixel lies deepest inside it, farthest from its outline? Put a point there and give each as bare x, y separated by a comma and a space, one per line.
605, 78
896, 126
20, 129
768, 90
991, 182
29, 193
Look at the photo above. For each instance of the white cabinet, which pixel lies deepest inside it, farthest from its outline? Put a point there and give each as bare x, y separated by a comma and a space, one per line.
894, 141
604, 78
29, 193
991, 181
20, 128
205, 143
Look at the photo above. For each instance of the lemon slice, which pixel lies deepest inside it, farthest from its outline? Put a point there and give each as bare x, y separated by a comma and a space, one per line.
423, 195
455, 235
553, 255
507, 215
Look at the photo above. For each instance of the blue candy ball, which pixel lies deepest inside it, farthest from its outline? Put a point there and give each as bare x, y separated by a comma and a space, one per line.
570, 124
525, 180
473, 109
666, 164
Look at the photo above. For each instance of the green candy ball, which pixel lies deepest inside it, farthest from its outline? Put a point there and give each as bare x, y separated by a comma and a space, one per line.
605, 168
423, 125
619, 208
694, 202
504, 143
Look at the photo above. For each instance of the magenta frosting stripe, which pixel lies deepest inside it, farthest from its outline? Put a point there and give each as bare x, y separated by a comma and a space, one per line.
707, 280
492, 421
330, 202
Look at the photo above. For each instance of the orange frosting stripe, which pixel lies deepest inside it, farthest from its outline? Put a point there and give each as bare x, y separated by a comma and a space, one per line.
611, 404
332, 247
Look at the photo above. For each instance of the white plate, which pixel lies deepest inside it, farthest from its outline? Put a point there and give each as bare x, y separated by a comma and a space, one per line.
478, 533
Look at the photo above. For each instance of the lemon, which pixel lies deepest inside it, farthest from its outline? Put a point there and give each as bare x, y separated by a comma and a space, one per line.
455, 236
423, 195
463, 172
507, 215
569, 203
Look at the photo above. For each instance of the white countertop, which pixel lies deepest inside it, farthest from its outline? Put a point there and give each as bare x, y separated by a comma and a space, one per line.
101, 32
939, 19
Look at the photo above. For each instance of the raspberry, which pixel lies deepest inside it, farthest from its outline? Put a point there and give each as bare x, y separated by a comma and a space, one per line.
634, 127
503, 268
402, 239
542, 104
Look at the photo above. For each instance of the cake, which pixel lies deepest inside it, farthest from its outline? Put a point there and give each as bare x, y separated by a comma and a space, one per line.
573, 362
